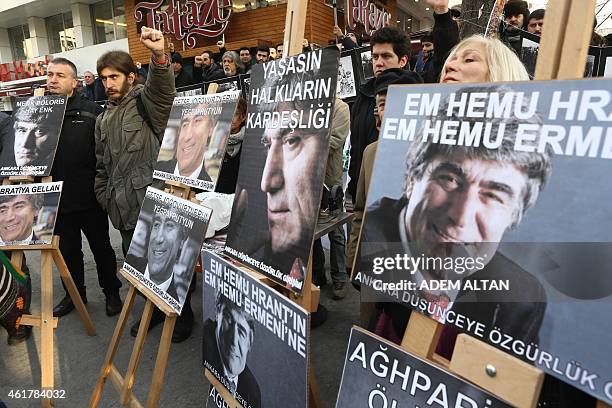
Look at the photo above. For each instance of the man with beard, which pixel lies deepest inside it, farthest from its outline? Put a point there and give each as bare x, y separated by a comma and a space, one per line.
128, 137
516, 15
457, 204
227, 342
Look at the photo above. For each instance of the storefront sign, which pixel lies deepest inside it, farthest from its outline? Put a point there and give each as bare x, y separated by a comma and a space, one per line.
186, 19
15, 70
369, 14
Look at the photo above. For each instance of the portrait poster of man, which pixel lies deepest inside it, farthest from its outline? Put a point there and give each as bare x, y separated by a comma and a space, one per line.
245, 323
28, 213
29, 145
280, 180
369, 379
194, 141
486, 211
346, 87
165, 246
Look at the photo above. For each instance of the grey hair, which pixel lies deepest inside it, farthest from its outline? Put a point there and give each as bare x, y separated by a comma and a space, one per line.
233, 55
536, 166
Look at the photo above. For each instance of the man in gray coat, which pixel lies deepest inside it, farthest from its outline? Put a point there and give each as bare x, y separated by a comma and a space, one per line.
129, 132
128, 136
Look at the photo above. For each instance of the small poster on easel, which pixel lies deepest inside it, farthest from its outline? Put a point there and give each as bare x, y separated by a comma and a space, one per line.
498, 224
254, 338
29, 145
28, 213
377, 373
166, 244
281, 173
194, 142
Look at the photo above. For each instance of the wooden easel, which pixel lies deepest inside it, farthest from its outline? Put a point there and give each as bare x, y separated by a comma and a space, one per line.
123, 384
562, 55
49, 254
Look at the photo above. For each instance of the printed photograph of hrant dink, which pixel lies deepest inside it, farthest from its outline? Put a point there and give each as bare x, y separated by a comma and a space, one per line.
30, 142
195, 138
28, 213
166, 243
497, 216
244, 321
280, 180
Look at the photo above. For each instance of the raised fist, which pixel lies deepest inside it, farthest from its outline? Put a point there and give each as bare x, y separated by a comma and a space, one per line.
198, 61
338, 32
153, 40
220, 44
438, 6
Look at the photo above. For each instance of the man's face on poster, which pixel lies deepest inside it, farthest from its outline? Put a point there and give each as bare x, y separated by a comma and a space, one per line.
462, 206
288, 181
164, 244
192, 140
235, 338
16, 219
32, 142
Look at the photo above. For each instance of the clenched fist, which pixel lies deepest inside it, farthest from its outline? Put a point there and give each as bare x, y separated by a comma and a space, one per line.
198, 61
438, 6
153, 40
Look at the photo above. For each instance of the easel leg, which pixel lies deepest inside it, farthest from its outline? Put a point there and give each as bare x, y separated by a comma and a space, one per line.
46, 324
161, 361
17, 259
143, 329
314, 398
112, 348
72, 290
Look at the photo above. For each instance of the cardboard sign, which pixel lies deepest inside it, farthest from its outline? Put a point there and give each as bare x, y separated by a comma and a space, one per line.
245, 323
166, 243
282, 165
487, 211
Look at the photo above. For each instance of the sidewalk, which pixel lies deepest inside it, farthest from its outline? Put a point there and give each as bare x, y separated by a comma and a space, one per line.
78, 357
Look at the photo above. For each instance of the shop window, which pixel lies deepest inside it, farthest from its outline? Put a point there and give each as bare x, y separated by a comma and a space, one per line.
109, 21
60, 32
17, 38
246, 5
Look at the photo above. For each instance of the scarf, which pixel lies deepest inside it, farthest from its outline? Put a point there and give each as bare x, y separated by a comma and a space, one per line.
234, 142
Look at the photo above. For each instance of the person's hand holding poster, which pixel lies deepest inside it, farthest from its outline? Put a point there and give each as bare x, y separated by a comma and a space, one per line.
281, 168
194, 142
166, 243
28, 213
244, 321
29, 145
498, 222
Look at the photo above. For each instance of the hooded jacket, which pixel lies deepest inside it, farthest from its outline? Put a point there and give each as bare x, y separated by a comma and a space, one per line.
127, 146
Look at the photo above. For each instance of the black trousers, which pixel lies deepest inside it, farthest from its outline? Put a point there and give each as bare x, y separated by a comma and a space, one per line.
94, 224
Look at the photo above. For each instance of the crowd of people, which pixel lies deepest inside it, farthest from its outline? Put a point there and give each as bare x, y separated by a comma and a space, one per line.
106, 156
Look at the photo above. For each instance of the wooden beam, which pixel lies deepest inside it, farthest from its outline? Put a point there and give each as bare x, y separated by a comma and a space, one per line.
295, 23
421, 335
499, 373
551, 43
577, 38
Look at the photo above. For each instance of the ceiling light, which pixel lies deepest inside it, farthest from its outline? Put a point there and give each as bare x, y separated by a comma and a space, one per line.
426, 8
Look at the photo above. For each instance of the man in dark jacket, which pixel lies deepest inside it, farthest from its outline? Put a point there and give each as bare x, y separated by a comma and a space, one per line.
516, 15
181, 77
444, 35
205, 69
390, 49
93, 89
75, 165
